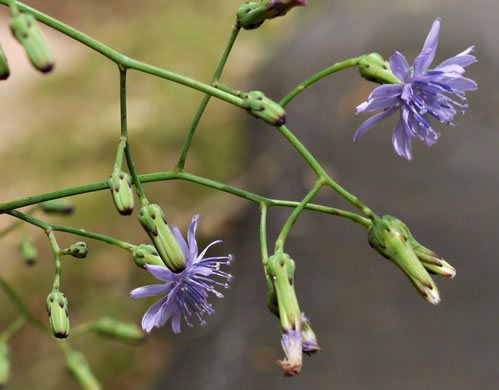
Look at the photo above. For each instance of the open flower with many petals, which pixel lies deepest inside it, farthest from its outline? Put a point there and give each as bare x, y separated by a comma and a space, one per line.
421, 93
186, 292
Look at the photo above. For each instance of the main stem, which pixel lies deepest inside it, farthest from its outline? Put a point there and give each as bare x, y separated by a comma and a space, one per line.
206, 99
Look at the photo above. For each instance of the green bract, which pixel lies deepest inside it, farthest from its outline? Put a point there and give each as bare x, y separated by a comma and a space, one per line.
57, 308
120, 185
146, 254
374, 68
262, 107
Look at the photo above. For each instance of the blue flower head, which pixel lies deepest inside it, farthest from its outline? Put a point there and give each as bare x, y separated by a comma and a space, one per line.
186, 292
438, 92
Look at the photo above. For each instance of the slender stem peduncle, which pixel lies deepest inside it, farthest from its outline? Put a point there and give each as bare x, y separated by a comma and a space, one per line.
14, 327
316, 77
279, 245
57, 257
206, 99
263, 234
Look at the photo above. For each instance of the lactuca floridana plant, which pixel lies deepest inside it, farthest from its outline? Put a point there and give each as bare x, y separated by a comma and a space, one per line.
186, 291
421, 92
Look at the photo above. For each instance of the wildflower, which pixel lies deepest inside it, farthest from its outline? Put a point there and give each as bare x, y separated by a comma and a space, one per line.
186, 291
419, 93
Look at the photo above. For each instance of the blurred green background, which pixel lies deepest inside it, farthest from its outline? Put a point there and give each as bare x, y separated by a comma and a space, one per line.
62, 130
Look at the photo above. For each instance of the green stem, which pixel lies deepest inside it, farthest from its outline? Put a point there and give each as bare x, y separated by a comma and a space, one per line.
162, 176
263, 234
279, 245
124, 135
14, 327
82, 329
67, 229
316, 77
16, 224
21, 306
322, 174
57, 258
119, 154
127, 62
206, 99
13, 7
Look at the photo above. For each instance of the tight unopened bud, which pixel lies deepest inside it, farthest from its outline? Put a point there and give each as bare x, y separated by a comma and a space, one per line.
122, 331
146, 254
120, 184
310, 344
57, 308
78, 366
28, 250
153, 221
374, 68
26, 31
4, 363
78, 250
262, 107
4, 66
58, 206
252, 14
390, 237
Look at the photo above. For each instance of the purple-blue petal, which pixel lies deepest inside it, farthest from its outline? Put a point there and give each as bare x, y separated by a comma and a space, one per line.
150, 291
373, 121
191, 237
462, 59
427, 55
201, 255
181, 240
152, 318
162, 273
402, 140
400, 67
176, 321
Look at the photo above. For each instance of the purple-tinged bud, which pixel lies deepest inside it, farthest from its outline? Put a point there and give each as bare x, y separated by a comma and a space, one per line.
57, 308
252, 14
120, 185
262, 107
374, 68
390, 237
310, 344
58, 206
291, 342
146, 254
26, 31
78, 366
4, 66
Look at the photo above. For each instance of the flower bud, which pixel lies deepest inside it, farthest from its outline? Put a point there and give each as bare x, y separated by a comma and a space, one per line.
78, 366
26, 31
110, 327
264, 108
4, 363
57, 308
28, 250
146, 254
58, 206
4, 66
120, 184
252, 14
78, 250
390, 237
153, 221
374, 68
310, 344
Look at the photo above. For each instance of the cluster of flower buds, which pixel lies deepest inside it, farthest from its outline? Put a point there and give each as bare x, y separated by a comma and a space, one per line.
146, 254
128, 333
297, 335
28, 250
153, 220
4, 363
58, 206
26, 31
374, 68
57, 308
262, 107
120, 184
78, 250
391, 237
78, 366
252, 14
4, 66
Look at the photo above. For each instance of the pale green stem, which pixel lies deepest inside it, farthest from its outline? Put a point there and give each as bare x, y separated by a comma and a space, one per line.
263, 234
57, 258
12, 329
119, 153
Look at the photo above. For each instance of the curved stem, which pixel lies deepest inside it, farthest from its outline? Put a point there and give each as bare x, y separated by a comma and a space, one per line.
279, 245
57, 258
127, 62
318, 76
206, 99
16, 224
14, 327
263, 234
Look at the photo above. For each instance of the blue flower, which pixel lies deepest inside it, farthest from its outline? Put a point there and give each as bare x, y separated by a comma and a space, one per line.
421, 93
186, 291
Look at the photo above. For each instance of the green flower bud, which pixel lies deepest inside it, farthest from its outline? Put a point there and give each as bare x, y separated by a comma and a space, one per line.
4, 363
252, 14
4, 66
78, 366
58, 206
120, 184
391, 237
110, 327
264, 108
78, 250
57, 308
153, 221
28, 250
310, 344
374, 68
26, 31
146, 254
